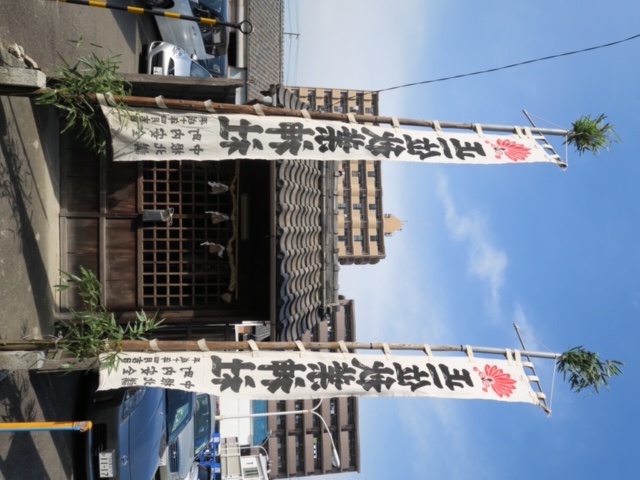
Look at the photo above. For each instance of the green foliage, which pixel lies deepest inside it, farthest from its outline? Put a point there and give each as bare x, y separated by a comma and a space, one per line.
93, 330
592, 134
90, 75
586, 370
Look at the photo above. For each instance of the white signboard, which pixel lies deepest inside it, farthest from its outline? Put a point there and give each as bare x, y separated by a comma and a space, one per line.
295, 375
160, 134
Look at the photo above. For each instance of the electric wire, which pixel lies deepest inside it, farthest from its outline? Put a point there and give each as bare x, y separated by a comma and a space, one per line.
513, 65
496, 69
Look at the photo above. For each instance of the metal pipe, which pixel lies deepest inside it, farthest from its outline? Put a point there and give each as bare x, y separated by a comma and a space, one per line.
45, 426
335, 458
244, 27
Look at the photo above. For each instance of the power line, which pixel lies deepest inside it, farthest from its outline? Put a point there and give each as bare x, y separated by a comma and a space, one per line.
480, 72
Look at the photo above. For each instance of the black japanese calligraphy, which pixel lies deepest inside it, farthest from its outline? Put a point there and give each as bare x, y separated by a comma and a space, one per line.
232, 379
292, 134
343, 138
284, 373
336, 374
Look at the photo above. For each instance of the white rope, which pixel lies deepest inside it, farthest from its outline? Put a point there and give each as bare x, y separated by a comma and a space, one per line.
153, 345
300, 348
469, 351
343, 348
209, 107
202, 345
427, 350
160, 102
254, 348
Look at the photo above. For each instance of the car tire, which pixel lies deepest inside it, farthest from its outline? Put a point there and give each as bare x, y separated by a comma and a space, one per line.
158, 3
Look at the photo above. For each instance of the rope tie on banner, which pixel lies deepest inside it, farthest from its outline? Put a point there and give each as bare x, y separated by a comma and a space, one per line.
258, 109
518, 357
518, 131
436, 127
254, 348
101, 100
208, 105
300, 348
153, 345
469, 351
508, 355
386, 350
427, 350
160, 102
202, 345
343, 348
306, 114
528, 132
351, 117
110, 100
395, 123
478, 128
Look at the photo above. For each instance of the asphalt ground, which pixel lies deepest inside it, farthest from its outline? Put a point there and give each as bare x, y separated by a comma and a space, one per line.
29, 223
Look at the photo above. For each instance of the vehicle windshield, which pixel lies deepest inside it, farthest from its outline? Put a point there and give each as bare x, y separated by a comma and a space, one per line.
199, 71
202, 429
215, 5
179, 411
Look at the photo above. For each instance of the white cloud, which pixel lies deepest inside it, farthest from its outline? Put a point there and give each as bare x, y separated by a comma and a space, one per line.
487, 262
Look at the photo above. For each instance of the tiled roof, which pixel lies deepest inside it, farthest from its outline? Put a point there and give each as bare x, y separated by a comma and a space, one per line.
306, 258
306, 265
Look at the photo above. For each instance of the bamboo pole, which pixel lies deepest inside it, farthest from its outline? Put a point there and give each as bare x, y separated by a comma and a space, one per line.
228, 108
193, 345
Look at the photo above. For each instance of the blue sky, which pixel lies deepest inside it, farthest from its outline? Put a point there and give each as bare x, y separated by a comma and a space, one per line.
486, 246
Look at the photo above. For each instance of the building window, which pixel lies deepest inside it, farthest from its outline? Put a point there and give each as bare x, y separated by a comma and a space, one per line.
357, 206
355, 173
357, 238
282, 454
368, 110
299, 454
342, 238
342, 205
297, 405
373, 238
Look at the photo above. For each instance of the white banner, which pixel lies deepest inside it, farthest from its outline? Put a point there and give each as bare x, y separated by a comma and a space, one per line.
270, 375
160, 134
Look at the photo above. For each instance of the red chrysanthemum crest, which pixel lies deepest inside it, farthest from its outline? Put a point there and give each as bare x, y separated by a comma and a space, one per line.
501, 383
510, 149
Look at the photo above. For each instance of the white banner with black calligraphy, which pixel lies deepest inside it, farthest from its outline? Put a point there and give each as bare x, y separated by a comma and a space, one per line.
267, 375
159, 134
